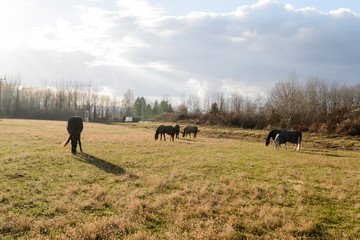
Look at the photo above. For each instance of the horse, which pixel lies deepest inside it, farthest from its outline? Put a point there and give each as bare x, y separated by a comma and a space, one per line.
189, 130
272, 136
284, 136
74, 127
162, 130
176, 130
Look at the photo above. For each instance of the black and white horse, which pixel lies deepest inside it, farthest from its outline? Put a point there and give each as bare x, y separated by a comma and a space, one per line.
189, 130
162, 130
272, 136
284, 136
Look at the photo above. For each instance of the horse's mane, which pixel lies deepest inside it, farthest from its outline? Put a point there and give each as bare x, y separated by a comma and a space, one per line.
272, 135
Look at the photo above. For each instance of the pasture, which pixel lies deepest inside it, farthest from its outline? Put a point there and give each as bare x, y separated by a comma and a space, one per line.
225, 184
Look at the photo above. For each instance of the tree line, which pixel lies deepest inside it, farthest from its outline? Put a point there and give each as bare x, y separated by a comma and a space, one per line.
315, 105
67, 98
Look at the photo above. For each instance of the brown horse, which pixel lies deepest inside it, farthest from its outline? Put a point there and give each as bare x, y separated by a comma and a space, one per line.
74, 127
189, 130
176, 130
162, 130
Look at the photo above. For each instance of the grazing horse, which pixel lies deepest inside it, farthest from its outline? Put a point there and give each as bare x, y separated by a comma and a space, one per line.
162, 130
272, 136
189, 130
176, 131
284, 136
74, 127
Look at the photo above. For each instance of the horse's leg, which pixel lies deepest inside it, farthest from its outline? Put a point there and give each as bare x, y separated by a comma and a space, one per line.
295, 147
73, 145
164, 137
276, 142
285, 146
80, 143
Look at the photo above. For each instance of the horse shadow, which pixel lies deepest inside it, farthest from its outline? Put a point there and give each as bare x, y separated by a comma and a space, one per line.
322, 153
188, 139
101, 164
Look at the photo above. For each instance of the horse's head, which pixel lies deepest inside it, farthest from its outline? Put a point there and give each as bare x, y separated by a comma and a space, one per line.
272, 135
156, 135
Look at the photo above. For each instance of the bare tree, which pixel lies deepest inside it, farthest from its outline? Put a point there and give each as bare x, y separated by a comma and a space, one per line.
114, 108
236, 103
194, 104
286, 99
128, 102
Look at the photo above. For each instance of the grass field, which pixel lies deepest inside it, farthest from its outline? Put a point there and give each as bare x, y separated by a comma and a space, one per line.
223, 185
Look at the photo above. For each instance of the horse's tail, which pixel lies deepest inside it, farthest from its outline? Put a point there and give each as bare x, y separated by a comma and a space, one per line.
66, 143
299, 138
173, 132
184, 132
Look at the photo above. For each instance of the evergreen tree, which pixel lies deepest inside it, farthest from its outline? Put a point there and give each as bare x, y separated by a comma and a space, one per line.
164, 106
139, 107
148, 112
156, 109
170, 109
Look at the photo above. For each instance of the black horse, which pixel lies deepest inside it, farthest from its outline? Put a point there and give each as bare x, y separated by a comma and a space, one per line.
74, 127
176, 131
162, 130
272, 136
284, 136
189, 130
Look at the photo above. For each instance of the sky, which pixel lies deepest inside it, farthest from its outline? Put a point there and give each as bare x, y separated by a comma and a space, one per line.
179, 48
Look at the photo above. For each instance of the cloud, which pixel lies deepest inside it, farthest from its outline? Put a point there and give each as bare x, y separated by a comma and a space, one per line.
137, 46
197, 88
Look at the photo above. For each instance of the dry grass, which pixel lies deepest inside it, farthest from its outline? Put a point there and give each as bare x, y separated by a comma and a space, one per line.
223, 185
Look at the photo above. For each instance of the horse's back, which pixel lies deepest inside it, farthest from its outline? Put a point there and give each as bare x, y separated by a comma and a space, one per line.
191, 129
166, 129
176, 130
290, 136
160, 127
75, 125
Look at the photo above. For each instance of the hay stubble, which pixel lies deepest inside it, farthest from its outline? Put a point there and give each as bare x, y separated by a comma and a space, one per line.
126, 185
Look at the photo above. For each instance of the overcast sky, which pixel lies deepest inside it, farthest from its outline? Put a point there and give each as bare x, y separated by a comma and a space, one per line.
176, 48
